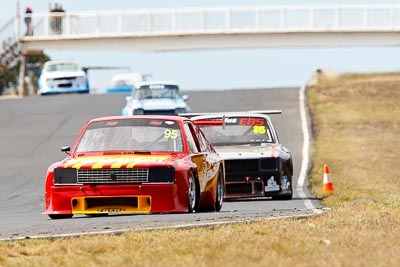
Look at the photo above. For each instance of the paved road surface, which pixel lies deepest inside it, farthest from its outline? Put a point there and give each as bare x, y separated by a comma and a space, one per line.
33, 129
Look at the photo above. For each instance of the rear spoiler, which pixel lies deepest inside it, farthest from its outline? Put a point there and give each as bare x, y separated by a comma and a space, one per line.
223, 114
218, 122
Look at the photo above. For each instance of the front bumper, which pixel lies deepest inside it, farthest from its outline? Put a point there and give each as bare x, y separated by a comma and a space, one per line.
104, 199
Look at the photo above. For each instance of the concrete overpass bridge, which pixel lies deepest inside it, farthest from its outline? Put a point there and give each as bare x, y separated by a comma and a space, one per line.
215, 28
200, 28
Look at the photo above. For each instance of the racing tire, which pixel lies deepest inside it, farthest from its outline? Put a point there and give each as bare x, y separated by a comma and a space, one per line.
60, 216
287, 196
193, 194
219, 197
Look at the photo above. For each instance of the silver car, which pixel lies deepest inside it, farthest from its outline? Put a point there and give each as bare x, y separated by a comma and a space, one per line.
256, 163
156, 98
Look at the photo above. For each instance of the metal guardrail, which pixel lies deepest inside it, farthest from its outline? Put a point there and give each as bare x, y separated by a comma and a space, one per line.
269, 19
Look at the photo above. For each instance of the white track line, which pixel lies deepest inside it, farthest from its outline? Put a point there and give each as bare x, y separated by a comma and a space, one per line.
305, 152
179, 226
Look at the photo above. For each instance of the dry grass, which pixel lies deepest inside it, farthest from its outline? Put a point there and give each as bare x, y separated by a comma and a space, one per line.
357, 131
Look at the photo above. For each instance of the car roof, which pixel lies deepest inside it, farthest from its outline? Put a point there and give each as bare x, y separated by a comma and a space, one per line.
230, 114
139, 84
138, 117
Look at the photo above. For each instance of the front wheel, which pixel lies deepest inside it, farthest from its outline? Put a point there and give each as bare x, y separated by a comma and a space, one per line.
219, 198
193, 194
287, 194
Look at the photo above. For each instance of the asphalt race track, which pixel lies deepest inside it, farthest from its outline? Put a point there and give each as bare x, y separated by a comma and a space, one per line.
32, 130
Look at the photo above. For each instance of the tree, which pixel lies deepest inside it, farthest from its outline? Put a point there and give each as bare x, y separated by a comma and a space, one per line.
10, 76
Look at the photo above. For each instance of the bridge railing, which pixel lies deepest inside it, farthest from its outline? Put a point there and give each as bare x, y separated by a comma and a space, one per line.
8, 33
274, 19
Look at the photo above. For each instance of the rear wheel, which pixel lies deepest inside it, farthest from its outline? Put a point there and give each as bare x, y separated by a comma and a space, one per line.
193, 194
60, 216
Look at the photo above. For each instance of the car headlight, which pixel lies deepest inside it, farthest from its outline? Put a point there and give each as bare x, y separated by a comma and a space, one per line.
138, 112
161, 175
80, 81
50, 82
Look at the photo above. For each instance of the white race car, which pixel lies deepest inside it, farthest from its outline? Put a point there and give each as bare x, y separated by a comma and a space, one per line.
256, 163
156, 98
63, 77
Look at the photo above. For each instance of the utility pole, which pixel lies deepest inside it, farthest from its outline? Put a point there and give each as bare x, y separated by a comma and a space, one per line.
21, 81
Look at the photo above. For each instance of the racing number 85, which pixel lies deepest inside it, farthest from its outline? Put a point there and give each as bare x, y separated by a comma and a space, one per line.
173, 134
259, 129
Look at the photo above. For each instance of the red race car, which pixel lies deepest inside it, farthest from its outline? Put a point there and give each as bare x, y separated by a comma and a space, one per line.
136, 164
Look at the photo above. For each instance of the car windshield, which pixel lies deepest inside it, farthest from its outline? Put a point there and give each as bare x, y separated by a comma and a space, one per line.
239, 131
157, 91
137, 135
63, 67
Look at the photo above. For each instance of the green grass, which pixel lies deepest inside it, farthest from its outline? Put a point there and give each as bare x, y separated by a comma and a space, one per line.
356, 130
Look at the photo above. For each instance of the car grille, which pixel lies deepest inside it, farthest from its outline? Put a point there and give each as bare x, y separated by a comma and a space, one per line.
159, 112
235, 165
250, 164
65, 78
111, 176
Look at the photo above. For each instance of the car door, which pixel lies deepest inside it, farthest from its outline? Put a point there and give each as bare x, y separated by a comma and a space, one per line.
198, 154
210, 161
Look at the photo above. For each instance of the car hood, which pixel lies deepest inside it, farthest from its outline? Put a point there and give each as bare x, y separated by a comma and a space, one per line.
159, 104
116, 161
62, 74
248, 152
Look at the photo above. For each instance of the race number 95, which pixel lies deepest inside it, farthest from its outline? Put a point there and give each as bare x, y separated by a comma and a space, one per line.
173, 134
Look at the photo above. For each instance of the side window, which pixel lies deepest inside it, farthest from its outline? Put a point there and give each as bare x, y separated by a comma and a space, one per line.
193, 147
202, 140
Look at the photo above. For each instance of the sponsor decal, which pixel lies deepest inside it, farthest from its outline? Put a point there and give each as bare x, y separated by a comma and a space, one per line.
252, 121
271, 185
155, 123
111, 123
230, 120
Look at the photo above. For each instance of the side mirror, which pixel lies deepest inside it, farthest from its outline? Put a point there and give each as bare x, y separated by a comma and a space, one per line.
128, 98
185, 97
66, 149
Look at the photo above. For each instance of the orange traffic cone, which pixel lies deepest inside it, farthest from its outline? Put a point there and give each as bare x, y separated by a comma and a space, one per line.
328, 186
